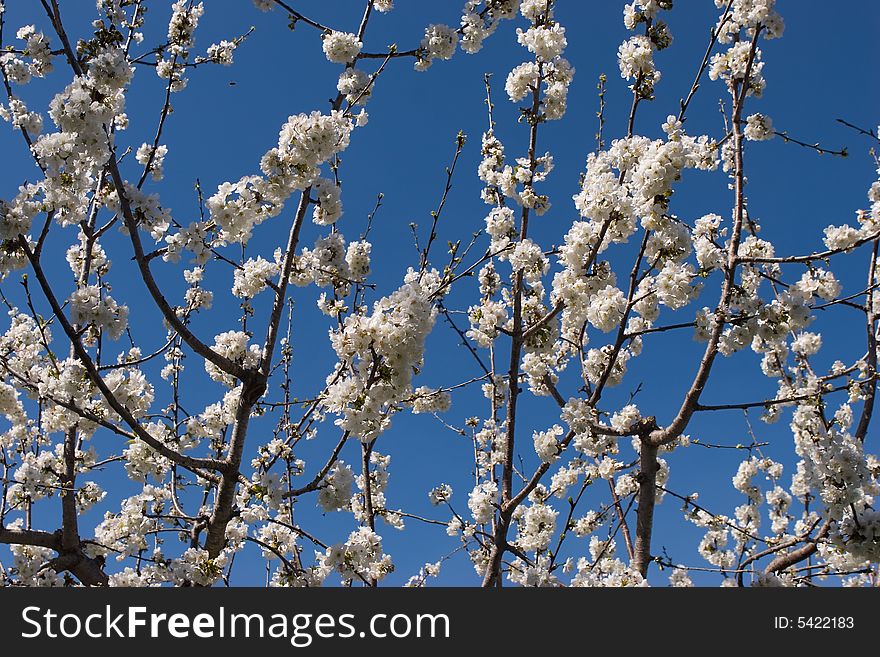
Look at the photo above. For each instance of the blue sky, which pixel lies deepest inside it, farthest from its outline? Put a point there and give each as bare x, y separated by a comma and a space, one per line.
819, 71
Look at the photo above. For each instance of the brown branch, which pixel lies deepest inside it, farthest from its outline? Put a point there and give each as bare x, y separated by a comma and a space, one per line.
650, 442
812, 257
789, 559
713, 38
871, 330
96, 378
315, 483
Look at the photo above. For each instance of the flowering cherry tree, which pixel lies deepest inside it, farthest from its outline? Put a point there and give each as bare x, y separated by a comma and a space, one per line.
550, 324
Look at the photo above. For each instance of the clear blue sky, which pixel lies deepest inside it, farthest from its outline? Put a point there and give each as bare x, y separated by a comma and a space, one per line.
820, 70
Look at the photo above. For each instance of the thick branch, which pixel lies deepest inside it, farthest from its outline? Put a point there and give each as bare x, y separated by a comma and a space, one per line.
789, 559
